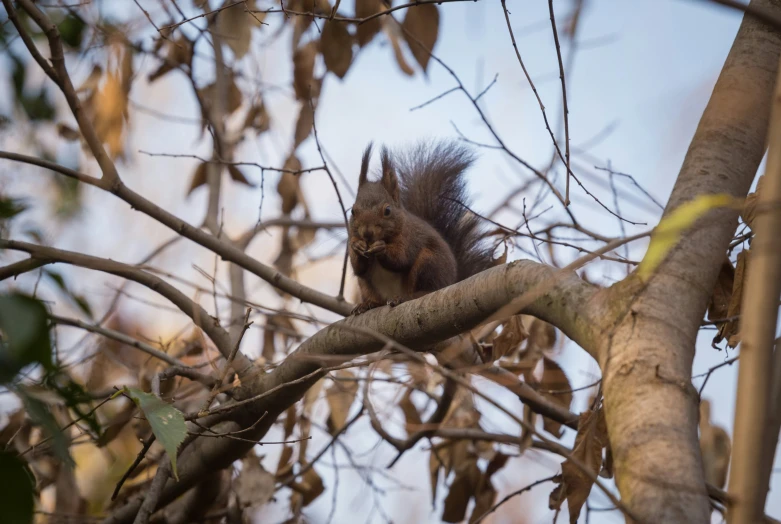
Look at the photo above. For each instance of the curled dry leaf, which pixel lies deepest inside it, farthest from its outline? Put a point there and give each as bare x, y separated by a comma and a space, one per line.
237, 176
208, 97
290, 421
366, 31
179, 53
722, 292
67, 132
510, 339
306, 119
749, 211
288, 185
284, 464
730, 329
412, 420
254, 486
542, 335
199, 177
556, 387
258, 118
716, 448
336, 44
311, 486
235, 23
574, 485
421, 28
340, 396
303, 69
393, 32
463, 488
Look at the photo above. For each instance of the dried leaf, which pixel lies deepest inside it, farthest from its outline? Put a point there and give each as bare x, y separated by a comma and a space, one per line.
235, 24
510, 339
110, 106
237, 176
258, 118
290, 421
554, 379
254, 486
284, 465
731, 329
392, 31
434, 465
67, 132
574, 484
716, 448
365, 32
234, 97
461, 491
180, 52
542, 335
722, 292
421, 28
303, 70
284, 261
311, 486
340, 396
199, 177
288, 185
336, 45
484, 499
749, 211
306, 119
411, 416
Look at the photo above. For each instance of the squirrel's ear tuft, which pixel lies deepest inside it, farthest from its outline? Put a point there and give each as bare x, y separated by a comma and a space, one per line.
364, 176
389, 179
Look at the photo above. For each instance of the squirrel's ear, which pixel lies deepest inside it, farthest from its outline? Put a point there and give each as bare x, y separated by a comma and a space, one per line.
363, 177
389, 179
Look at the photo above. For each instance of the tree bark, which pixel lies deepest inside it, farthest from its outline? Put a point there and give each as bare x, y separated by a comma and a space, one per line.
648, 348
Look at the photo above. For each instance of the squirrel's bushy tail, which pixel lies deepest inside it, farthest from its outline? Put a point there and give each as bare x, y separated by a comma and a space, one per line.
433, 188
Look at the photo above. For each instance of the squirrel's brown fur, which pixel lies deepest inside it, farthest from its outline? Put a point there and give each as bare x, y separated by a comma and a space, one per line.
411, 232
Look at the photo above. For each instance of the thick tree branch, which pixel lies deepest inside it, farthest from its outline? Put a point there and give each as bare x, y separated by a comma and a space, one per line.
758, 332
646, 355
200, 316
222, 248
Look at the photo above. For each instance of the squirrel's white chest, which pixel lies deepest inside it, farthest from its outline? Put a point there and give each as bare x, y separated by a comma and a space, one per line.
388, 284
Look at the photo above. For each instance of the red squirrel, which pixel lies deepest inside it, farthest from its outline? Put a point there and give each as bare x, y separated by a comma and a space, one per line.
411, 232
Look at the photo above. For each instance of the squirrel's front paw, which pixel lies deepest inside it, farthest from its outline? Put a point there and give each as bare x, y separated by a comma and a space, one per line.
395, 301
365, 306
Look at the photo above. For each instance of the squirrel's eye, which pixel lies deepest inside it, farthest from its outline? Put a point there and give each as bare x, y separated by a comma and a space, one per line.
387, 211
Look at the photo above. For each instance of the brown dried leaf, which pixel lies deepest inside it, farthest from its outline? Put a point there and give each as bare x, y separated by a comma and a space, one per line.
340, 396
254, 486
284, 261
112, 430
542, 335
336, 44
303, 70
179, 52
312, 486
306, 119
235, 24
366, 31
484, 499
288, 185
462, 489
284, 465
554, 379
716, 448
731, 330
574, 484
110, 106
290, 421
67, 132
722, 292
510, 339
199, 177
392, 31
258, 118
421, 28
411, 416
234, 96
237, 176
749, 211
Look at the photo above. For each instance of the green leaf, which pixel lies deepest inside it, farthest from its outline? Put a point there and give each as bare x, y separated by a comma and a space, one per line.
17, 496
25, 329
667, 234
40, 415
167, 422
72, 30
10, 207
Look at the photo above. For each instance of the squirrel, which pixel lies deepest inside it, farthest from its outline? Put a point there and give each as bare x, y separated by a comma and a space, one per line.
411, 232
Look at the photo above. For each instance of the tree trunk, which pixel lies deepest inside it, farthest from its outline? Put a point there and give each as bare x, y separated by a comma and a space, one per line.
648, 348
